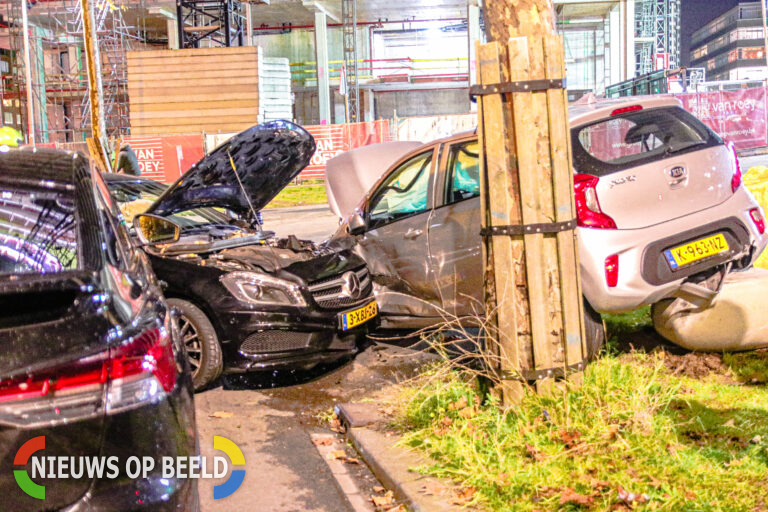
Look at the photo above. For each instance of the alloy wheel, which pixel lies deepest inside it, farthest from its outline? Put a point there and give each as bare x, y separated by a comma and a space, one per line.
192, 341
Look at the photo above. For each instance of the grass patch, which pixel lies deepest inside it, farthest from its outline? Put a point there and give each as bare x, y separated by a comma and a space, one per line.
626, 323
633, 436
299, 195
748, 367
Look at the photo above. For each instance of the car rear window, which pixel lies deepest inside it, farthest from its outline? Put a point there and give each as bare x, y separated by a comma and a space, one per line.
637, 138
38, 231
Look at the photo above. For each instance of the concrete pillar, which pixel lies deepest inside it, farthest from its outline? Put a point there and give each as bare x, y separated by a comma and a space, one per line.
615, 48
248, 28
630, 38
172, 25
474, 34
321, 58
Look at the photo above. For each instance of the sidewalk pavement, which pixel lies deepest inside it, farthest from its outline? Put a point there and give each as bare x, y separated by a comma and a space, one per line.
393, 464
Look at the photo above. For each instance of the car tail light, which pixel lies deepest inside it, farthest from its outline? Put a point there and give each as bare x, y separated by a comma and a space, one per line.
612, 270
588, 212
624, 110
736, 178
139, 371
757, 218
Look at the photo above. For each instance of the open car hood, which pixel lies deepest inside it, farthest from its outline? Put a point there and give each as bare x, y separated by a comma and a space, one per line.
266, 156
349, 176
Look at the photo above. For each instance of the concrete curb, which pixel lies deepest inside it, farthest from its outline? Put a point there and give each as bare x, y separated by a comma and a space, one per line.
390, 463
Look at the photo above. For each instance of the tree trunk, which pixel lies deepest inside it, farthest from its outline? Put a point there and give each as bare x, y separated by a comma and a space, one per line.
513, 18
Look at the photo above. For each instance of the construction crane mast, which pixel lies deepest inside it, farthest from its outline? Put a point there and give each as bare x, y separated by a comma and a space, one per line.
657, 35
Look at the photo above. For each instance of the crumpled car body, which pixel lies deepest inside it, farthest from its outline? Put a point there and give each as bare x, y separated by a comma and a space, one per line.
271, 302
661, 213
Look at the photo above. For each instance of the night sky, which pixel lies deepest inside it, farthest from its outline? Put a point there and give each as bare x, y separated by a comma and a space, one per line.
695, 14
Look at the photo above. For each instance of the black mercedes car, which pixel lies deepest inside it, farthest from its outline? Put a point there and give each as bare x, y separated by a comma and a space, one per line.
248, 300
92, 365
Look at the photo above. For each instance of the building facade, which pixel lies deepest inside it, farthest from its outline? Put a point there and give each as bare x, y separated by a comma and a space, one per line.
732, 46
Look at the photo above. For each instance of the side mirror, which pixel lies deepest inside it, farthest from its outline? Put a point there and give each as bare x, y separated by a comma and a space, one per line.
153, 229
356, 224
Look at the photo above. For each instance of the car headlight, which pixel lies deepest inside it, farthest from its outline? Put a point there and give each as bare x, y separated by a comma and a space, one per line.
262, 289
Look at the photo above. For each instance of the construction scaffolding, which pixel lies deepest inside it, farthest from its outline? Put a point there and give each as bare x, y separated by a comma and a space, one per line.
351, 71
657, 35
56, 107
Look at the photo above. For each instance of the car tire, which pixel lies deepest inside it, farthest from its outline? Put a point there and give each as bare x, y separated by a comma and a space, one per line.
594, 332
202, 344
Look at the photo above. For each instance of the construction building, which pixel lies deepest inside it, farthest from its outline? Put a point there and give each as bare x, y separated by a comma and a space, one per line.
318, 61
731, 47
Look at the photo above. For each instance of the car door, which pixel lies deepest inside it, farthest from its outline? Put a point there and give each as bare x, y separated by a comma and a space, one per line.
455, 251
395, 242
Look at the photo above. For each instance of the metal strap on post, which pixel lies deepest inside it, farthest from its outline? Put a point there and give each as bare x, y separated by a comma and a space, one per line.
521, 86
529, 229
528, 375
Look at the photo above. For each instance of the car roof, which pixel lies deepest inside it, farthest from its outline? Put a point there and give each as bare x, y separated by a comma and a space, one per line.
585, 112
41, 167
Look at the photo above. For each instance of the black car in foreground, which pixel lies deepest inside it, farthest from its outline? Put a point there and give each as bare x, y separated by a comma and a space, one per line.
248, 300
90, 359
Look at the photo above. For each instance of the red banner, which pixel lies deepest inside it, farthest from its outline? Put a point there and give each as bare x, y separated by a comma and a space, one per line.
334, 139
166, 158
738, 116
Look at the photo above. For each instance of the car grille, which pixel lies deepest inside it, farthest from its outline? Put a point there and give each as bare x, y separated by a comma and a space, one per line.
266, 342
328, 292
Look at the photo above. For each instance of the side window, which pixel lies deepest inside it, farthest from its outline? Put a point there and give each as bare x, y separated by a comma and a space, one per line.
463, 179
404, 193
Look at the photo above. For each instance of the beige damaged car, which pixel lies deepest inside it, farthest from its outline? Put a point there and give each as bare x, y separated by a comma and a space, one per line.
661, 213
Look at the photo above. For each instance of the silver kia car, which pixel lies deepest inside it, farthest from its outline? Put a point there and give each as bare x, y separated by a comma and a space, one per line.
660, 205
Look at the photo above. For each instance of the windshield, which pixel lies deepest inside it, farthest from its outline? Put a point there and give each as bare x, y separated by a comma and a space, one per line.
38, 231
135, 198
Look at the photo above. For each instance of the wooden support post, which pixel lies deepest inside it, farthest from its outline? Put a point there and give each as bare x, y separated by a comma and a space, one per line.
533, 293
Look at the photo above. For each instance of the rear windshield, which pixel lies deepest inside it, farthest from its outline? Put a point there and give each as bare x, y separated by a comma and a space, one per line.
638, 138
38, 231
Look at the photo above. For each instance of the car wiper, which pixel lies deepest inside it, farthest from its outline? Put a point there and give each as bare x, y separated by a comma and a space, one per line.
670, 150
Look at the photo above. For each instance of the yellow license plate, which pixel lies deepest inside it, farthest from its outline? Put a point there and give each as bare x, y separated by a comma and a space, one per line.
695, 251
353, 318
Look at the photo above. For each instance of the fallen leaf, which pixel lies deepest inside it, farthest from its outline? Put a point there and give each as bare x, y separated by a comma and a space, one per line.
335, 425
655, 482
570, 439
446, 421
336, 454
398, 508
379, 489
459, 404
690, 495
672, 449
729, 423
533, 453
568, 495
221, 414
323, 441
350, 460
383, 501
612, 431
630, 497
463, 496
433, 488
